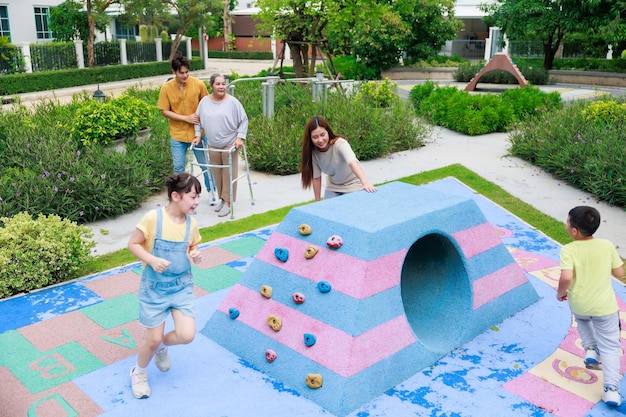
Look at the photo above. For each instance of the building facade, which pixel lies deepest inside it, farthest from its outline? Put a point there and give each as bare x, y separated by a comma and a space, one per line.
28, 21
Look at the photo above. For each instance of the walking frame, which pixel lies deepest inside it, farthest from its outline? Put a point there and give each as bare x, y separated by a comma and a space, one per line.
208, 166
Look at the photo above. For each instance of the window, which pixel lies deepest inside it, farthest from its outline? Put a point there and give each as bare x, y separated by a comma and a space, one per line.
124, 32
42, 23
5, 30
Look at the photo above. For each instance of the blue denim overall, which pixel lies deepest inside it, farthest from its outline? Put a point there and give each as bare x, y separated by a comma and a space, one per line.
159, 293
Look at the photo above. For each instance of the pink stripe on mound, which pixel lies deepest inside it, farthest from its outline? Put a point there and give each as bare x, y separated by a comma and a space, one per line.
497, 283
367, 278
336, 350
548, 397
477, 239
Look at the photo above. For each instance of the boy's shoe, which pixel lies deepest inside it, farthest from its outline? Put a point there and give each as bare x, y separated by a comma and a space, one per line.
139, 384
162, 360
591, 359
220, 206
611, 397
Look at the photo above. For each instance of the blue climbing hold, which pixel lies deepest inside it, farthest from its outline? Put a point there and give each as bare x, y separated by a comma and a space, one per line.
233, 312
309, 339
282, 254
323, 286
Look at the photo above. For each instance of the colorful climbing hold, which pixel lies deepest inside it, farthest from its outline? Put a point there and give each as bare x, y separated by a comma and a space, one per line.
233, 313
274, 322
304, 229
310, 251
282, 254
323, 286
270, 355
266, 291
334, 242
314, 380
309, 339
298, 297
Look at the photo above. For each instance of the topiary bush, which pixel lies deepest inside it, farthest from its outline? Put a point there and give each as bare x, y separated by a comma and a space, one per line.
95, 123
41, 251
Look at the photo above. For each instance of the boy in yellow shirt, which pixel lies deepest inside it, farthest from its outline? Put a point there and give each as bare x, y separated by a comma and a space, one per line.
587, 264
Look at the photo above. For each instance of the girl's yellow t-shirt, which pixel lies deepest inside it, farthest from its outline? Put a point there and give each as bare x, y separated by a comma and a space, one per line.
169, 230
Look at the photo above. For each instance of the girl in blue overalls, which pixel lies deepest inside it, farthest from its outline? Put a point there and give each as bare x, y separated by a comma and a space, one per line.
165, 240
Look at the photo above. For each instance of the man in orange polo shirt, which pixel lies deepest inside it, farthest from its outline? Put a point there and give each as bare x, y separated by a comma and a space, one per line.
178, 100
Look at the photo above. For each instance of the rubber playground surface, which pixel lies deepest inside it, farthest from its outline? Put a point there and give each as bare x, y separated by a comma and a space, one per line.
67, 350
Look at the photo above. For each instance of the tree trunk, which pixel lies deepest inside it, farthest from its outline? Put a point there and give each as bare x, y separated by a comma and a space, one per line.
226, 46
313, 59
175, 45
548, 57
296, 56
304, 50
92, 33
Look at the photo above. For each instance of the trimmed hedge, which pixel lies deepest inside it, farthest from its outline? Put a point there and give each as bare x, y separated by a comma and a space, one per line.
52, 80
259, 55
577, 64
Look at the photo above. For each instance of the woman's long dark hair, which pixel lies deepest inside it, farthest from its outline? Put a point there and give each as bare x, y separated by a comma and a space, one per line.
306, 161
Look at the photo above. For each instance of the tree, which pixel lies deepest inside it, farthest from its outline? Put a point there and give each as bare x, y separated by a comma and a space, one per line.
184, 16
189, 13
431, 23
376, 32
547, 21
95, 12
68, 21
297, 23
373, 32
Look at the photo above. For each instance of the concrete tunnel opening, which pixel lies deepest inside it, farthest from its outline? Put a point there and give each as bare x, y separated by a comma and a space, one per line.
436, 292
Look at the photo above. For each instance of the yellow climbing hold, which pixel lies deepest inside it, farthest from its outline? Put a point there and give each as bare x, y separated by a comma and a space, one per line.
314, 380
266, 291
310, 251
304, 229
274, 322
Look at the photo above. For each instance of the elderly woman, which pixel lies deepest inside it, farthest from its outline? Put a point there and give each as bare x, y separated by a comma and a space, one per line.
225, 125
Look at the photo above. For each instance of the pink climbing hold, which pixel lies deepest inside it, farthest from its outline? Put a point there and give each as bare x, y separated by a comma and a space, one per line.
334, 242
298, 297
270, 355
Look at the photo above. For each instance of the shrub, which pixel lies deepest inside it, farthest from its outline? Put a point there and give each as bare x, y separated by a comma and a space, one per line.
607, 111
43, 171
378, 94
97, 123
35, 253
436, 61
477, 114
51, 80
587, 153
274, 146
531, 100
351, 69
